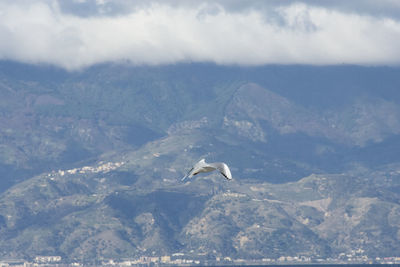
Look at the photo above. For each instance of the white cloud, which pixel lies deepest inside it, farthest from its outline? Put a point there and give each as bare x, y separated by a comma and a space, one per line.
42, 32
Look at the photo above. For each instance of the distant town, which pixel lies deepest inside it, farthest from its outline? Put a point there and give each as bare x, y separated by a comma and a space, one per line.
180, 259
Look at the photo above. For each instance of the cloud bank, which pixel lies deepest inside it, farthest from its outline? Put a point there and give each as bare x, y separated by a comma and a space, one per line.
77, 34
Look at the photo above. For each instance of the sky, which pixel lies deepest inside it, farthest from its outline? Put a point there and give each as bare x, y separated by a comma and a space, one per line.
75, 34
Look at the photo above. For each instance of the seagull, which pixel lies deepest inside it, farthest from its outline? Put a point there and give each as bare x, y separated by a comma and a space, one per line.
203, 166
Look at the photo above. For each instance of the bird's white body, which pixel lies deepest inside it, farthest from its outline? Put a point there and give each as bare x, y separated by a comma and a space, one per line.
203, 166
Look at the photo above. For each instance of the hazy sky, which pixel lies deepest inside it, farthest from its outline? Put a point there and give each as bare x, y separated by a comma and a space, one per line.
78, 33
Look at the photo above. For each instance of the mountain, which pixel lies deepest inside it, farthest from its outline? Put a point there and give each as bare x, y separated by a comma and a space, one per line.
136, 205
91, 161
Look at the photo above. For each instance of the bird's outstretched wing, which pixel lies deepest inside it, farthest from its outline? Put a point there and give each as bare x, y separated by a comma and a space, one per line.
187, 175
223, 169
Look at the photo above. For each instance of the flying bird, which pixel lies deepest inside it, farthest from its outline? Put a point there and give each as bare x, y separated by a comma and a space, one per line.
203, 166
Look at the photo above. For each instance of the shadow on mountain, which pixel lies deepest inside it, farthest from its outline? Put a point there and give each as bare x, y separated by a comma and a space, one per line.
172, 210
137, 135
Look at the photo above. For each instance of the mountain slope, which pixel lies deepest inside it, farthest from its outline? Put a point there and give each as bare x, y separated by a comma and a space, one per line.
93, 212
91, 161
